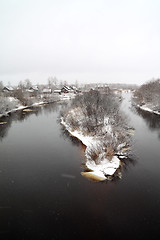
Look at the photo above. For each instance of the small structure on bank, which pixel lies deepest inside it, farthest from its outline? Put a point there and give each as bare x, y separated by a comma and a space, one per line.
57, 91
47, 91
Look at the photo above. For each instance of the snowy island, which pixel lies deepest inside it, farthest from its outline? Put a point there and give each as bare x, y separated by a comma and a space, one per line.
96, 120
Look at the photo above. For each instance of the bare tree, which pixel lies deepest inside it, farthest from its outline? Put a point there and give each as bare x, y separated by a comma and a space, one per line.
52, 82
21, 86
149, 93
76, 83
1, 86
96, 113
27, 84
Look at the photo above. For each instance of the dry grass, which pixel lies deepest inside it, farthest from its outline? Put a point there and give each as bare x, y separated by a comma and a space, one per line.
109, 153
94, 153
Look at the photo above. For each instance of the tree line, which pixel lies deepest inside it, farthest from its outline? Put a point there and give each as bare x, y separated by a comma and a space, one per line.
149, 93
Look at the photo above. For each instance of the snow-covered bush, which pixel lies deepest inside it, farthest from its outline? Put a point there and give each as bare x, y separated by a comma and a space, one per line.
98, 115
7, 104
149, 93
93, 107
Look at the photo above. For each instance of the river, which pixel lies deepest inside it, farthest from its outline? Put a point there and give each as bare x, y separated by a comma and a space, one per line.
44, 196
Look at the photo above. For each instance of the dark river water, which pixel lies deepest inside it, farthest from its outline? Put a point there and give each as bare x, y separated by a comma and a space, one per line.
44, 196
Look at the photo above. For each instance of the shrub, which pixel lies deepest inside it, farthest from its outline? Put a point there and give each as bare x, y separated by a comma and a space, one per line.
88, 113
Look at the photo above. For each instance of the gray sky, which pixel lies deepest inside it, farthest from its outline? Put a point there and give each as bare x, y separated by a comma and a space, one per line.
84, 40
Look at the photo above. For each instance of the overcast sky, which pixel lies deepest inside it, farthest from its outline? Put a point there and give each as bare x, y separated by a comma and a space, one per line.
84, 40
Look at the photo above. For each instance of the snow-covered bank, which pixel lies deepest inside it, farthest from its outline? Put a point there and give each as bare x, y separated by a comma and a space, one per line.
12, 104
21, 107
146, 97
148, 109
67, 96
103, 166
15, 105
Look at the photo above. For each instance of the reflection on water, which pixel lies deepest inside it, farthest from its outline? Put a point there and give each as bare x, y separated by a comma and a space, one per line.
15, 116
44, 196
66, 135
127, 163
152, 120
22, 115
4, 128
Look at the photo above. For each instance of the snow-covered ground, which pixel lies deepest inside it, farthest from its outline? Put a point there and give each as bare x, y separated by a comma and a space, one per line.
20, 107
15, 105
104, 167
65, 96
148, 108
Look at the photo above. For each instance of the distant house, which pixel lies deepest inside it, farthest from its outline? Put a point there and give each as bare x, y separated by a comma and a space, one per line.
65, 89
57, 91
8, 89
103, 88
75, 89
47, 91
68, 89
33, 89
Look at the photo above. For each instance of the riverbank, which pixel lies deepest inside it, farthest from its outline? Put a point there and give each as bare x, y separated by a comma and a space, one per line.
148, 108
103, 167
146, 97
19, 106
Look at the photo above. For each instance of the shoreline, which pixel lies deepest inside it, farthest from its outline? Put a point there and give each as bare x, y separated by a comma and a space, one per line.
147, 109
105, 168
21, 108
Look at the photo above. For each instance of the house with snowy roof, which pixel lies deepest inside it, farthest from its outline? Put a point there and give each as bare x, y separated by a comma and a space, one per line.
66, 89
8, 89
33, 89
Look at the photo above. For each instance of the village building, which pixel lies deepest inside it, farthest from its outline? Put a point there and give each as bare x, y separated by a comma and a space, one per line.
69, 89
66, 89
57, 91
33, 89
103, 88
8, 89
47, 91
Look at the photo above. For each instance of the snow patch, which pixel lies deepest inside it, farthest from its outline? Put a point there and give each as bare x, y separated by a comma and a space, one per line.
148, 109
106, 167
20, 107
86, 140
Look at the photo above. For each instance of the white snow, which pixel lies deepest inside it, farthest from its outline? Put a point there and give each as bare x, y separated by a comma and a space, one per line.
86, 140
20, 107
145, 108
67, 96
38, 103
11, 99
104, 166
148, 109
